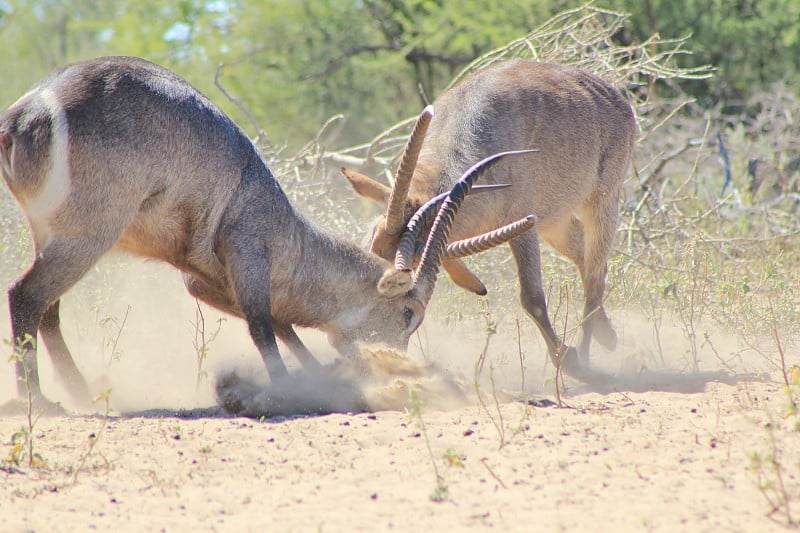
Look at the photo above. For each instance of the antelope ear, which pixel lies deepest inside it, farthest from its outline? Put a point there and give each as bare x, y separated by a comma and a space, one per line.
395, 282
368, 187
462, 276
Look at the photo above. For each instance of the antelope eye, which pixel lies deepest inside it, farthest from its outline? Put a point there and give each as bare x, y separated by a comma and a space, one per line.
408, 314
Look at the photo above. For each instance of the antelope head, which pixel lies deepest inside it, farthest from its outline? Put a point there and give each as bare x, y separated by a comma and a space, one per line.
411, 281
400, 207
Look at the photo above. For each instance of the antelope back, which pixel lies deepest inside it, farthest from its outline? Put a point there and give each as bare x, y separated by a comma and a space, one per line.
583, 128
120, 142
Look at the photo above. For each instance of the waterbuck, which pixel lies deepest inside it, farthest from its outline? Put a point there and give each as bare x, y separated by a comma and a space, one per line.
119, 153
584, 131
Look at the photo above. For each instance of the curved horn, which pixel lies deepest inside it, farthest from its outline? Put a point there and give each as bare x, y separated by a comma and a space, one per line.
491, 239
404, 256
425, 277
402, 181
421, 220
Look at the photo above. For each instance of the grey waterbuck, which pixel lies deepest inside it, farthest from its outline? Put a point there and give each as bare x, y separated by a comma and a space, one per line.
584, 131
119, 153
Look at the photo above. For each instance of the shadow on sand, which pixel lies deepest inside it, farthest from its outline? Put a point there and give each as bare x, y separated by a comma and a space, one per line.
383, 380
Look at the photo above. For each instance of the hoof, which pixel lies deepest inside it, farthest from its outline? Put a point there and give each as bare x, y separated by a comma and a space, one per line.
230, 389
604, 333
571, 364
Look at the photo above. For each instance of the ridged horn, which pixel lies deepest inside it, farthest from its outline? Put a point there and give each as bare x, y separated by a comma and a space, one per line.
489, 240
425, 276
395, 221
421, 221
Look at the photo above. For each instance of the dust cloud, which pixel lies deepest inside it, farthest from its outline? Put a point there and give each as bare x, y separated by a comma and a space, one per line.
378, 380
441, 370
132, 329
130, 326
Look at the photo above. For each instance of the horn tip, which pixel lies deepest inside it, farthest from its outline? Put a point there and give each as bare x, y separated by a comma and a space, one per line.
523, 151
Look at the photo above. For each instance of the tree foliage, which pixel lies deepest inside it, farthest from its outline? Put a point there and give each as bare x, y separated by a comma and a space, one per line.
751, 43
295, 63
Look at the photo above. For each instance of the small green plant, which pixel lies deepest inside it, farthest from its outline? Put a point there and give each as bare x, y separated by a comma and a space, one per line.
496, 413
771, 468
558, 379
691, 303
497, 416
522, 424
201, 342
453, 458
771, 476
94, 438
793, 394
440, 491
22, 449
115, 326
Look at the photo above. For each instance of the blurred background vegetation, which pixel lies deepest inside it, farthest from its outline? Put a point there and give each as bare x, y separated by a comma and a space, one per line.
294, 63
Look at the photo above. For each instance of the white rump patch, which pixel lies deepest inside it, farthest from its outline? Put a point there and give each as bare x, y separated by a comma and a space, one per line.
55, 186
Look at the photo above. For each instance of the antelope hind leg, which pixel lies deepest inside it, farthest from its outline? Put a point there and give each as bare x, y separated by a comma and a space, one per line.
66, 370
601, 216
33, 302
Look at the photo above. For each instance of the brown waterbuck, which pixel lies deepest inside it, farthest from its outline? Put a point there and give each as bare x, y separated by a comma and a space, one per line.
119, 153
584, 131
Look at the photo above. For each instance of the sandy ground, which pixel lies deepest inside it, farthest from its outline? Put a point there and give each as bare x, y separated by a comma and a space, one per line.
662, 448
608, 462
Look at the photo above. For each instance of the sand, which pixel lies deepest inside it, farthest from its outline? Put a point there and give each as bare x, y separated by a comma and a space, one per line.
611, 461
663, 448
